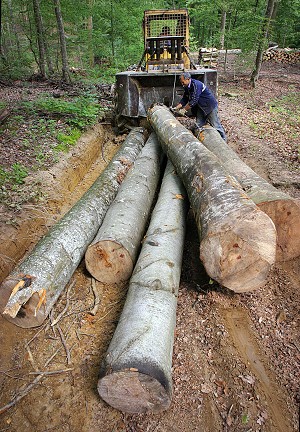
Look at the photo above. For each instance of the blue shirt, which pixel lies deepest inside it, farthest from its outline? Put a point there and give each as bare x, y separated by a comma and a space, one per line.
197, 94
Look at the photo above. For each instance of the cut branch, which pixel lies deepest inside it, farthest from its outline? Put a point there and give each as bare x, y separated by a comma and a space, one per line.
237, 240
280, 207
112, 255
55, 258
136, 373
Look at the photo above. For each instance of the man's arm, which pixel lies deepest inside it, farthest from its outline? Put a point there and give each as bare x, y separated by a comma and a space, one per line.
197, 89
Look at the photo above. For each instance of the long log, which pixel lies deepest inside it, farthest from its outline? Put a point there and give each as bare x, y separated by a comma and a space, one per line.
237, 240
280, 207
136, 373
112, 254
30, 291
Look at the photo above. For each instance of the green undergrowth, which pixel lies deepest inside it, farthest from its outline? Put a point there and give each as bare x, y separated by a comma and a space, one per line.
280, 124
37, 132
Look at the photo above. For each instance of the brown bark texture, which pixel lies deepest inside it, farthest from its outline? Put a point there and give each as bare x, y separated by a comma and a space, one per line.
30, 291
280, 207
111, 256
237, 240
136, 374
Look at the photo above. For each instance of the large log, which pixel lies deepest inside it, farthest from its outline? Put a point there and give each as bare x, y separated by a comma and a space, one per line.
237, 240
136, 373
112, 254
29, 292
280, 207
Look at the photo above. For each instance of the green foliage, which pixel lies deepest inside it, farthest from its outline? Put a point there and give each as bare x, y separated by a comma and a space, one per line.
80, 112
14, 176
245, 419
65, 141
111, 32
286, 109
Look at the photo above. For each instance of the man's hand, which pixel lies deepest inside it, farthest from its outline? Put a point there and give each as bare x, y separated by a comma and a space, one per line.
181, 112
178, 111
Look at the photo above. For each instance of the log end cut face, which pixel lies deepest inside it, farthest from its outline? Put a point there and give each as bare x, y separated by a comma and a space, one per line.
286, 216
108, 262
241, 260
133, 392
24, 311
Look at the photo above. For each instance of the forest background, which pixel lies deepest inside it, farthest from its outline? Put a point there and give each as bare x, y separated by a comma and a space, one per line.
48, 38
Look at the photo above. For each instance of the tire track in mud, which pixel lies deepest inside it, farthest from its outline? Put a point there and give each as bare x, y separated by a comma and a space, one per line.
239, 329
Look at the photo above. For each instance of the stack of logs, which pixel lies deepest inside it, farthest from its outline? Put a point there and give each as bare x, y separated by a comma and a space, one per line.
282, 55
208, 57
244, 224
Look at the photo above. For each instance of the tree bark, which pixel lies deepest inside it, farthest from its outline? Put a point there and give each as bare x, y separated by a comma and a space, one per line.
237, 240
43, 275
280, 207
111, 256
136, 373
40, 37
223, 28
62, 38
262, 41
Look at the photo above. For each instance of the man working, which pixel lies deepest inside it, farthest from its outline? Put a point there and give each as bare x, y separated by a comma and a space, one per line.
201, 101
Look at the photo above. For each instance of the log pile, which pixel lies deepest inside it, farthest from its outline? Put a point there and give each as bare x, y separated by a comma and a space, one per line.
111, 256
28, 294
208, 57
280, 207
237, 240
136, 375
237, 248
282, 55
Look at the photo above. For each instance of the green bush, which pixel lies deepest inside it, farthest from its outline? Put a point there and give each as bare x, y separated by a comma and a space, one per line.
80, 113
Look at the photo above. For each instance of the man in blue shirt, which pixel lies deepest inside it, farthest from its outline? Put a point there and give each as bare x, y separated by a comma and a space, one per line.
202, 103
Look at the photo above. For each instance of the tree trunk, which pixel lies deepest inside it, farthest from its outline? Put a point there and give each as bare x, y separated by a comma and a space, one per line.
136, 373
280, 207
237, 240
40, 37
222, 29
28, 294
112, 31
111, 256
62, 38
90, 33
262, 41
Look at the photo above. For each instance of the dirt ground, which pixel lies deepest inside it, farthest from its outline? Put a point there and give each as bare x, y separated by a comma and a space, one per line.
236, 356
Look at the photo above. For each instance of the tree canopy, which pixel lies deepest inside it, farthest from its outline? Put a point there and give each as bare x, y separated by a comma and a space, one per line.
98, 32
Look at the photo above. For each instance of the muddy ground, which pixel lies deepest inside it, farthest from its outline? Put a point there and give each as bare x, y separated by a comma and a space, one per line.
236, 356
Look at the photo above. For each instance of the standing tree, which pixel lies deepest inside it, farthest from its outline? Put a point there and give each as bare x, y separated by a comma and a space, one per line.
222, 29
40, 37
62, 39
262, 40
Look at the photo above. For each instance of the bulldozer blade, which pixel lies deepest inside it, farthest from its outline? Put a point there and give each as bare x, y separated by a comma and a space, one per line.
136, 92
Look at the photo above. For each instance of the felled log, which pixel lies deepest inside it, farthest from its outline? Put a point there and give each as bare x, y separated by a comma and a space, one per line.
112, 254
237, 240
136, 373
29, 292
280, 207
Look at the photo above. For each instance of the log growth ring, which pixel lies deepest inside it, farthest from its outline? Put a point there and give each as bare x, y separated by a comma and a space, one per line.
133, 392
108, 261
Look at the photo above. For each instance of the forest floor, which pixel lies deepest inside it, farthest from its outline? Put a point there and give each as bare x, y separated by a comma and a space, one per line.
236, 360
